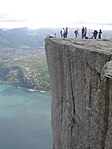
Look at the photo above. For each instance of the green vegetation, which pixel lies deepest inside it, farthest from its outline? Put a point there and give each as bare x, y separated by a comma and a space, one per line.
32, 68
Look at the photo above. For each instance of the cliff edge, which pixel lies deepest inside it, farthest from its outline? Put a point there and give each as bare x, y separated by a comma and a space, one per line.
81, 82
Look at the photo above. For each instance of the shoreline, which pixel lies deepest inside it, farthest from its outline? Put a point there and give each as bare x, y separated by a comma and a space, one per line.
30, 90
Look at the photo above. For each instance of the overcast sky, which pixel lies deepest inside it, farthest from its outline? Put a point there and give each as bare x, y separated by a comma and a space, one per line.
54, 13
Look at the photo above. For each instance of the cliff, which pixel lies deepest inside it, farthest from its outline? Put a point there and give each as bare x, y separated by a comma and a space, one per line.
81, 82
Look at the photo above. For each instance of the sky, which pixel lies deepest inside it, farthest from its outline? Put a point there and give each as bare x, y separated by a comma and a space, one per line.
55, 13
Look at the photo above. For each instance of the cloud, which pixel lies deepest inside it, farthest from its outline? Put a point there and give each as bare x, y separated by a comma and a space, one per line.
12, 20
5, 18
55, 13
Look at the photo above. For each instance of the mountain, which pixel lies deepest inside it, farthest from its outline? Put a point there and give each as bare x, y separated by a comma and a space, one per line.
34, 38
19, 37
22, 56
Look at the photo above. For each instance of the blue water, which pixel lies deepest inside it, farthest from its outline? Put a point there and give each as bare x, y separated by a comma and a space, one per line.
24, 119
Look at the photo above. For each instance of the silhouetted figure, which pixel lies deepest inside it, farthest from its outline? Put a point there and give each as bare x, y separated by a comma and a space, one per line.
82, 32
61, 33
66, 32
99, 34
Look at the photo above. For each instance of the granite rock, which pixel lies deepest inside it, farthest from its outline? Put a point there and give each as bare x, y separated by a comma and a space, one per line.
81, 82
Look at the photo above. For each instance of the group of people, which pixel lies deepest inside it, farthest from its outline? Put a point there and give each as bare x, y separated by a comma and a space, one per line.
64, 33
84, 32
95, 33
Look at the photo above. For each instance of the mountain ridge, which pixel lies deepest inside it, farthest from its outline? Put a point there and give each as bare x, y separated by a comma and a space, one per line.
35, 37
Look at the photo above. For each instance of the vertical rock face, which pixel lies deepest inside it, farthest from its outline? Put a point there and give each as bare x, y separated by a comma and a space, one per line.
81, 81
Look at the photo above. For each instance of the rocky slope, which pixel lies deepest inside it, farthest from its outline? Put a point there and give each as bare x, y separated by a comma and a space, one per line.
81, 82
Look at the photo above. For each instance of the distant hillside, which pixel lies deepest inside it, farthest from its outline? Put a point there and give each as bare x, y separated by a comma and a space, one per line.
20, 37
29, 72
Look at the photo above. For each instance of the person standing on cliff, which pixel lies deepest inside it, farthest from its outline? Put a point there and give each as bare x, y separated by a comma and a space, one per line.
85, 32
82, 32
94, 34
66, 32
99, 34
76, 33
62, 32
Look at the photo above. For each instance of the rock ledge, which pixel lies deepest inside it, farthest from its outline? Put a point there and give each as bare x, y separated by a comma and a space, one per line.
81, 81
